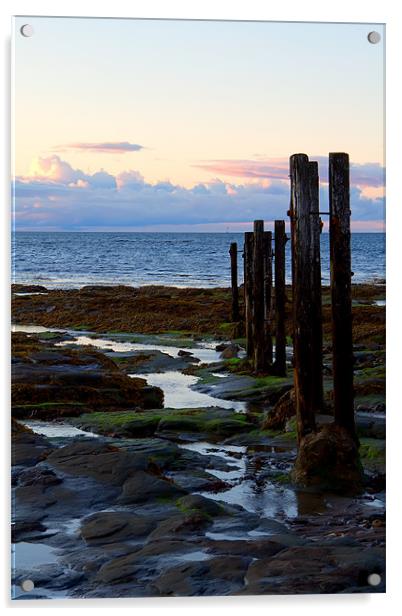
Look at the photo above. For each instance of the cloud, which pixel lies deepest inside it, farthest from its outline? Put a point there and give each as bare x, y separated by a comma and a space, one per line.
268, 169
54, 169
57, 196
366, 174
52, 174
111, 147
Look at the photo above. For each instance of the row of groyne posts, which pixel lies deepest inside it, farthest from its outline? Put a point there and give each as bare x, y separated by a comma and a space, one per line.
265, 295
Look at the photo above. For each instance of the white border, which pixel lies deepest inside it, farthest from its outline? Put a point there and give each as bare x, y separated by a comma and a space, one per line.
380, 11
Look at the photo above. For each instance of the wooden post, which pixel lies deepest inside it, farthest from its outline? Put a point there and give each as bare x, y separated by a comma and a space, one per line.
248, 290
235, 290
280, 298
267, 299
340, 253
258, 297
303, 337
316, 304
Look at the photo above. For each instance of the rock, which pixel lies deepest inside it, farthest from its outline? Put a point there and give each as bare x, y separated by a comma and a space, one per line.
197, 502
21, 528
228, 427
221, 575
27, 288
28, 448
283, 410
112, 526
183, 353
256, 548
50, 381
52, 576
329, 459
142, 487
372, 427
33, 497
198, 481
101, 461
158, 452
221, 346
127, 566
183, 525
230, 351
38, 476
179, 424
132, 362
90, 557
237, 523
313, 569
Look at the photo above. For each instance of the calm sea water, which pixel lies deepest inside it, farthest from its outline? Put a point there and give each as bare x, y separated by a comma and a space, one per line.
68, 260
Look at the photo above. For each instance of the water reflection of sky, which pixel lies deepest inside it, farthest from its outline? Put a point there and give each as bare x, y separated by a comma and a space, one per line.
179, 395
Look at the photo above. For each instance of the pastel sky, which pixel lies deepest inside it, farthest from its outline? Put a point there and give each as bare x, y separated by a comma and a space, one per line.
185, 125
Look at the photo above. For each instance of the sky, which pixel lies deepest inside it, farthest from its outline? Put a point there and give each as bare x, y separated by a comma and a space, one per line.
188, 126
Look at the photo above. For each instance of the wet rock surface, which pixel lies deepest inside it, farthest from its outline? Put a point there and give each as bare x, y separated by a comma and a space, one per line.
50, 381
183, 502
120, 526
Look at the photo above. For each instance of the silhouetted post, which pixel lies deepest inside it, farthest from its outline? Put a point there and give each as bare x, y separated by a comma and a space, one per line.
280, 298
340, 253
316, 302
258, 296
267, 299
235, 290
248, 290
303, 297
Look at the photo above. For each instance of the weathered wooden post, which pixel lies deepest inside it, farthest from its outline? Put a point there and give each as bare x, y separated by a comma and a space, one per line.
258, 296
267, 299
280, 298
235, 290
248, 290
316, 304
303, 297
340, 254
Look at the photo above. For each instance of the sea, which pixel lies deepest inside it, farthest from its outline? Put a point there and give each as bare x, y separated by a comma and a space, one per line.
74, 259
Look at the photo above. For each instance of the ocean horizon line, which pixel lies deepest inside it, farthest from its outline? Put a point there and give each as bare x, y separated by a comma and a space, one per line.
14, 232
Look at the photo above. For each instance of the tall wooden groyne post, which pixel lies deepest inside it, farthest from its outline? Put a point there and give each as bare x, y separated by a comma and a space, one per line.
258, 326
303, 221
280, 298
341, 299
234, 282
306, 285
267, 260
261, 321
316, 316
248, 255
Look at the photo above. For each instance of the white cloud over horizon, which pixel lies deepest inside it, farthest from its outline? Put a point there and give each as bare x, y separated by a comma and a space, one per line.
56, 195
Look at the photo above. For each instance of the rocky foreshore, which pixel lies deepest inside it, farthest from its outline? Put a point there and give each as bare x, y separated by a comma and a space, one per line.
149, 462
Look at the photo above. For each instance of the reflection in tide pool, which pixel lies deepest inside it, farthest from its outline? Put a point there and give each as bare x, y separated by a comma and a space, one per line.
29, 555
205, 351
179, 395
56, 430
34, 329
268, 500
